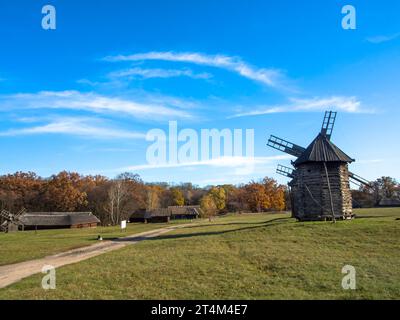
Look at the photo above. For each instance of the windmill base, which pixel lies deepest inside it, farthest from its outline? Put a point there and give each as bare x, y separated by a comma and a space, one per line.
12, 228
324, 218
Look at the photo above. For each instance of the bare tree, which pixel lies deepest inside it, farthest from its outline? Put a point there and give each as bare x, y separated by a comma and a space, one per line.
118, 199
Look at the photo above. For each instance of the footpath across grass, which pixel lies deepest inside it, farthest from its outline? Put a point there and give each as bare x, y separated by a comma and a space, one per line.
22, 246
261, 256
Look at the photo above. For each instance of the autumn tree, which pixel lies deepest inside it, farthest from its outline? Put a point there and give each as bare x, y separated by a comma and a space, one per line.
208, 207
177, 198
125, 195
63, 192
363, 198
275, 194
188, 192
113, 200
288, 202
218, 195
384, 188
98, 196
137, 189
154, 195
256, 197
20, 190
236, 200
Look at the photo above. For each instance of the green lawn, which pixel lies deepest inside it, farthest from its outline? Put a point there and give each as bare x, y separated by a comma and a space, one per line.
27, 245
241, 257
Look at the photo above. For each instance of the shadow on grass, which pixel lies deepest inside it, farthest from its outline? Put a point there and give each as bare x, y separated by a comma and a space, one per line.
374, 217
211, 224
269, 223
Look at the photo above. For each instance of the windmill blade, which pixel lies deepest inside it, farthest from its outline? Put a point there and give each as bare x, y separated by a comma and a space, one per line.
19, 213
4, 226
285, 146
360, 180
359, 185
328, 123
285, 171
5, 215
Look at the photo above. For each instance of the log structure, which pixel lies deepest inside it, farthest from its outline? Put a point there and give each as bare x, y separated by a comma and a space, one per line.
320, 185
316, 195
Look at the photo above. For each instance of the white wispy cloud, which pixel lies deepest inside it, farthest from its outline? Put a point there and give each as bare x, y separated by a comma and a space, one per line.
383, 38
340, 103
226, 161
269, 77
93, 102
158, 73
89, 82
83, 127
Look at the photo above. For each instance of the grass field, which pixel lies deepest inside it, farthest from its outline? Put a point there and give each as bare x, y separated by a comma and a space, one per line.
22, 246
268, 256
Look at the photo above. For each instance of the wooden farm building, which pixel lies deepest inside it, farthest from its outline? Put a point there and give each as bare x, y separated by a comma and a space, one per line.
184, 212
151, 216
57, 220
320, 185
389, 203
166, 214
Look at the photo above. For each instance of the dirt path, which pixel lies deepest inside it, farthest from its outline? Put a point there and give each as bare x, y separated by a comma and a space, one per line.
12, 273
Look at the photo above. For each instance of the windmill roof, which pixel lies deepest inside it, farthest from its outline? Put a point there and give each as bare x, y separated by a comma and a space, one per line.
322, 150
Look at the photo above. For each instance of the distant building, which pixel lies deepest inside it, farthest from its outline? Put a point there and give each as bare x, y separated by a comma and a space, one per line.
166, 214
151, 216
184, 212
58, 220
389, 203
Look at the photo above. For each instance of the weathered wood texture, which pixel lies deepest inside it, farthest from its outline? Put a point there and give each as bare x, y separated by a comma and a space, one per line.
311, 199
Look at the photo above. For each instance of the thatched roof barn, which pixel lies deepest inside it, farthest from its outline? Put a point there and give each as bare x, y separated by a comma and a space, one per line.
151, 216
389, 203
58, 220
166, 214
184, 212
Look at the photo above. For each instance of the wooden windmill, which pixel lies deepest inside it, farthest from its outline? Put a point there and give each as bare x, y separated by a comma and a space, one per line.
320, 185
10, 221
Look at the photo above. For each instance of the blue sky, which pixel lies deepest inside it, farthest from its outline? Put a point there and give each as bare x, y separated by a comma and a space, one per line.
82, 97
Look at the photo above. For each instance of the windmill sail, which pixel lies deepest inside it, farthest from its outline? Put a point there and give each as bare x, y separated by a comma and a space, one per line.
356, 179
5, 215
11, 221
328, 123
285, 171
285, 146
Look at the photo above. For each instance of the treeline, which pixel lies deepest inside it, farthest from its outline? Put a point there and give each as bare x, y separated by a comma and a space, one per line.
113, 200
384, 188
